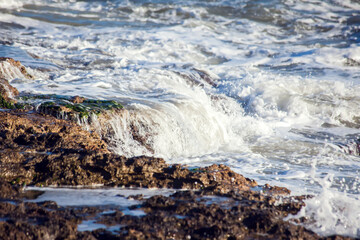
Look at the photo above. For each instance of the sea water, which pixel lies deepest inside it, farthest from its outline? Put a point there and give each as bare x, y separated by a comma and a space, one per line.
269, 88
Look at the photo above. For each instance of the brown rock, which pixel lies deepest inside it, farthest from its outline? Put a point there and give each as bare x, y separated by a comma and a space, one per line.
201, 215
42, 150
10, 69
7, 91
35, 132
8, 191
275, 190
38, 149
78, 99
26, 138
31, 221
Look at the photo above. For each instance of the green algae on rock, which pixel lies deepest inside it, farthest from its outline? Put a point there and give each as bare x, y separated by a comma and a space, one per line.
60, 106
7, 95
6, 104
68, 107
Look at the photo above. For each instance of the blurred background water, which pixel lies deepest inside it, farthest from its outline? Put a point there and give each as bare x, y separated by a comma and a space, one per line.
270, 88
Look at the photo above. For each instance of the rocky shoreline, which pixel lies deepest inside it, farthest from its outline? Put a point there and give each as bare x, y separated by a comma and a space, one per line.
37, 148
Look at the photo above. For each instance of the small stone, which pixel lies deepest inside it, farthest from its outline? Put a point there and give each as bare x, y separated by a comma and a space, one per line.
78, 99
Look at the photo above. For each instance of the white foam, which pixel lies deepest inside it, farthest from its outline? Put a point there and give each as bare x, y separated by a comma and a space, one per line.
9, 71
11, 4
95, 196
182, 127
285, 96
332, 212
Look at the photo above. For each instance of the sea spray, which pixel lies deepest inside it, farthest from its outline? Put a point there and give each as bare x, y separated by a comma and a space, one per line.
173, 129
329, 212
283, 85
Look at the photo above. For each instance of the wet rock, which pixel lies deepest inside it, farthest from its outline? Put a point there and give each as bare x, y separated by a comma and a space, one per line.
7, 94
77, 109
196, 76
206, 77
26, 138
10, 69
66, 107
8, 191
42, 150
26, 220
275, 190
38, 149
77, 99
105, 124
183, 215
351, 147
28, 131
74, 108
201, 215
7, 91
351, 62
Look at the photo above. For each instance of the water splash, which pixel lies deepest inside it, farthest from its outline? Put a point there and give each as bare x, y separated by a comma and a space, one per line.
329, 212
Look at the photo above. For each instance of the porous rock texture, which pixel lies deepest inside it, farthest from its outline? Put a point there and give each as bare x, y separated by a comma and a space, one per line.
219, 203
38, 149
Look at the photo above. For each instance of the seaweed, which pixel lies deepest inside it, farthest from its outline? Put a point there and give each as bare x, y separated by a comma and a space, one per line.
60, 105
6, 104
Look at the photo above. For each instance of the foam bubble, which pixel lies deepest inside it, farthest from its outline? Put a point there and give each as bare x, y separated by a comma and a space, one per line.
11, 4
332, 212
212, 82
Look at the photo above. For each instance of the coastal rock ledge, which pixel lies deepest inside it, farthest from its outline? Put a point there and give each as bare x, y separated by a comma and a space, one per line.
214, 202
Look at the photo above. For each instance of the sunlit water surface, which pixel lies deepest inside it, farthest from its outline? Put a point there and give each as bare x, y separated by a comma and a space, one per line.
270, 88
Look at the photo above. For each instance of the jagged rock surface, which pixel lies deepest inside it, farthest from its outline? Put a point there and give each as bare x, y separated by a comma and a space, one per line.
42, 150
7, 92
205, 214
10, 69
